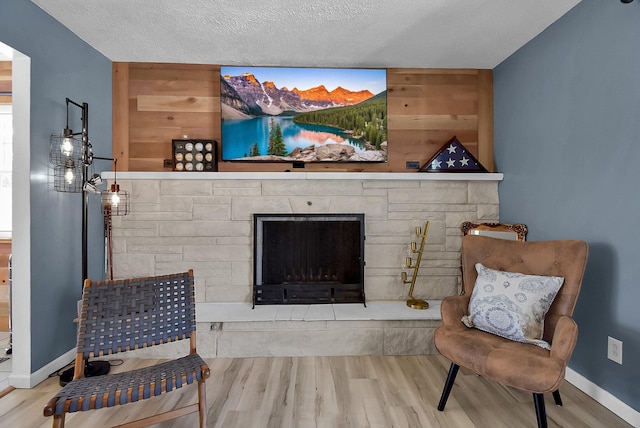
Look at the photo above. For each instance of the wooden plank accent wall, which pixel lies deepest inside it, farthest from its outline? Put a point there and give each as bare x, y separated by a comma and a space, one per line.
485, 126
5, 82
155, 103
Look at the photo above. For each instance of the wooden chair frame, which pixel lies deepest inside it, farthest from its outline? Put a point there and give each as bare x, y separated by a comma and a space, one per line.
129, 314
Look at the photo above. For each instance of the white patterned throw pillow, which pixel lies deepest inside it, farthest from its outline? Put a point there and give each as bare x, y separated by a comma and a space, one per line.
512, 305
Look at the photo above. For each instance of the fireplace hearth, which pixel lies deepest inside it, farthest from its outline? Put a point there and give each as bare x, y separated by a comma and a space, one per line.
308, 259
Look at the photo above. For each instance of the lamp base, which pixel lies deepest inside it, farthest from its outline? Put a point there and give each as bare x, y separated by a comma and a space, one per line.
91, 368
417, 304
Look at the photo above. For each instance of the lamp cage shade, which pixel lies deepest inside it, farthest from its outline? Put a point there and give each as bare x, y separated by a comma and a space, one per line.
115, 202
68, 177
65, 147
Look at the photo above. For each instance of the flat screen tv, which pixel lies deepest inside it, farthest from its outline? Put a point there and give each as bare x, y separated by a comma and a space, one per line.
284, 114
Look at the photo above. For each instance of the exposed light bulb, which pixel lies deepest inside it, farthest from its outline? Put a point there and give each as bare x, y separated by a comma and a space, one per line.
67, 146
115, 200
69, 175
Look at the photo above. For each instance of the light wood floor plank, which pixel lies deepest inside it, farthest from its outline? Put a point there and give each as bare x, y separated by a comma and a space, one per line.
331, 392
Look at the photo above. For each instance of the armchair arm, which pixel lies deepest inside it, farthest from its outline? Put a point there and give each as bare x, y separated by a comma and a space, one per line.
564, 340
452, 309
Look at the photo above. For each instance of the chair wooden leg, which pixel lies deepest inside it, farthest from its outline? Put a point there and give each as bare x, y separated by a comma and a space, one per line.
202, 403
557, 398
58, 421
451, 377
541, 412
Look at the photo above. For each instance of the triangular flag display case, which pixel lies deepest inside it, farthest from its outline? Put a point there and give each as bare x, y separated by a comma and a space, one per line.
453, 157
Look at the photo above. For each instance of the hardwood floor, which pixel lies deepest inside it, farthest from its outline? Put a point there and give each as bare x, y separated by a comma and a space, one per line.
365, 391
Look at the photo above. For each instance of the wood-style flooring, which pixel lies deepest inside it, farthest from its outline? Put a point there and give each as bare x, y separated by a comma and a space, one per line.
300, 392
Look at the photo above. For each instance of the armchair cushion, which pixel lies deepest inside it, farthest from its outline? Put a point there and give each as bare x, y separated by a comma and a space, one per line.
512, 305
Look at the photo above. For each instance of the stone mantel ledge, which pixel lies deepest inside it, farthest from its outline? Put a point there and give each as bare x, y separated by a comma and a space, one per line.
426, 176
374, 311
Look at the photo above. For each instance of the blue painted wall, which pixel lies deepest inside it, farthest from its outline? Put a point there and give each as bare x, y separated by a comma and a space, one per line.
62, 65
567, 137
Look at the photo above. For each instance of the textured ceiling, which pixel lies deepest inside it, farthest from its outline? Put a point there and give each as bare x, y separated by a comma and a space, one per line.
340, 33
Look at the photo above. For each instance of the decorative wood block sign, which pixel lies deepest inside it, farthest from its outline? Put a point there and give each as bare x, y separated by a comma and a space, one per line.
453, 157
195, 155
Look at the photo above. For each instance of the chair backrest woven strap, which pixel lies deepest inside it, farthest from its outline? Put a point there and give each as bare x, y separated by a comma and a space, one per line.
125, 314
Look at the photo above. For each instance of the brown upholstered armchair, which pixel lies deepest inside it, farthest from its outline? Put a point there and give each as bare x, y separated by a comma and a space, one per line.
519, 365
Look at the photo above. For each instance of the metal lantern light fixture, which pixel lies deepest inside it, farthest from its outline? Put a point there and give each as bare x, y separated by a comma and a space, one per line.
115, 202
64, 146
71, 154
67, 177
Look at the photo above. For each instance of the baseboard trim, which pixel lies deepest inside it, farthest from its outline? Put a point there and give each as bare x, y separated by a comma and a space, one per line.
42, 374
608, 400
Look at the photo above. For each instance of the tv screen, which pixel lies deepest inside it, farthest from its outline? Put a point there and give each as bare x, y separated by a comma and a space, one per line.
283, 114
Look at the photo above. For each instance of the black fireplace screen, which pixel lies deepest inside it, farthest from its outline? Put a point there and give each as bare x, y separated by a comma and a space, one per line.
308, 258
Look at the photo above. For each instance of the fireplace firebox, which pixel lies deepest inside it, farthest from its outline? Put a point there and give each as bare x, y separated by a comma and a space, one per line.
308, 259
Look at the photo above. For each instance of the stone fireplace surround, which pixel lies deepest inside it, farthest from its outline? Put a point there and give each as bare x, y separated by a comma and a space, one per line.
204, 221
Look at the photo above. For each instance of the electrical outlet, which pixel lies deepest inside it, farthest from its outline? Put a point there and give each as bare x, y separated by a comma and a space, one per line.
614, 350
412, 165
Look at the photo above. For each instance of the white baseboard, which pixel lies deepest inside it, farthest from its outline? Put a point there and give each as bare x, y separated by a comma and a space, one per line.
4, 384
608, 400
40, 375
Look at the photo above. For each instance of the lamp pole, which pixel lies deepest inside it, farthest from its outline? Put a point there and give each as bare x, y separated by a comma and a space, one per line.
93, 368
86, 160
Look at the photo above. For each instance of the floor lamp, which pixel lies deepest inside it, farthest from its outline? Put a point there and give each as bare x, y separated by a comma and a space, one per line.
71, 155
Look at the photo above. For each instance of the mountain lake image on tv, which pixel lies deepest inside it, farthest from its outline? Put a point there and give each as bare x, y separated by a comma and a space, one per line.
282, 114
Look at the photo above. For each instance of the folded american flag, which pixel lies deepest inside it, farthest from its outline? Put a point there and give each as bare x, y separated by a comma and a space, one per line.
453, 157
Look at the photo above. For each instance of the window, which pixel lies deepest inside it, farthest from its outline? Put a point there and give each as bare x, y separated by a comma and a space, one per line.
6, 156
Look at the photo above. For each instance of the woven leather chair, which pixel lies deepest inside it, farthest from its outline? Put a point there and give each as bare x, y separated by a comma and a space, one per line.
128, 314
519, 365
